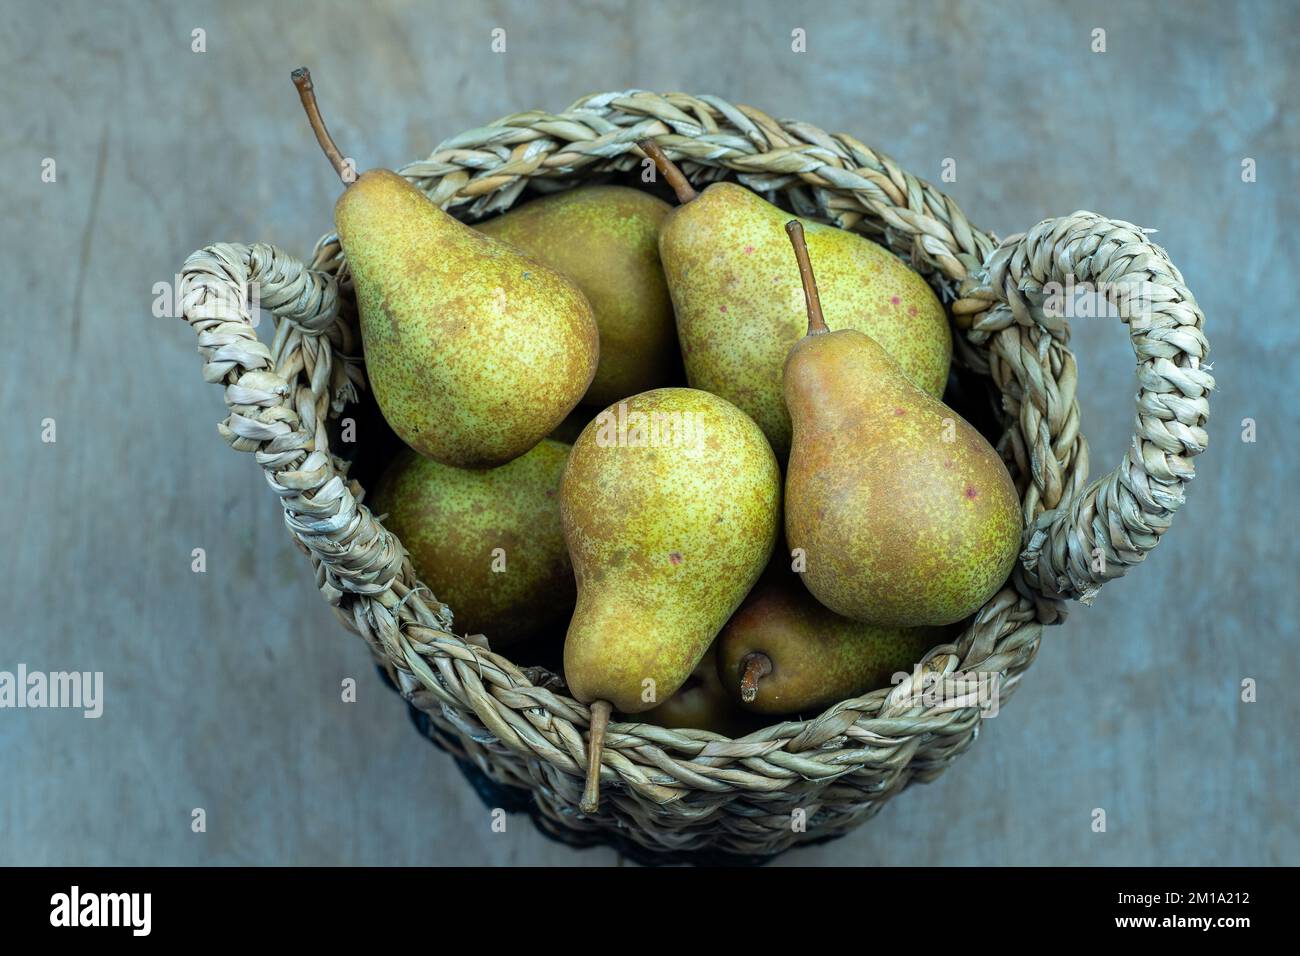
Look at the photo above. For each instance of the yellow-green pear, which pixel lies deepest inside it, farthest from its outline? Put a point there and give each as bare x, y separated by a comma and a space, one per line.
487, 542
670, 504
782, 652
606, 239
740, 309
904, 513
475, 351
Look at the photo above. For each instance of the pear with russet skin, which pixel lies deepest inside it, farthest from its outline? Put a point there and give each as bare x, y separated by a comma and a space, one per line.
740, 308
475, 352
606, 239
904, 512
782, 652
487, 542
671, 503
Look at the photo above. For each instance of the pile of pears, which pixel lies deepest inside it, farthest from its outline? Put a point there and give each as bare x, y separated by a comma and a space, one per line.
794, 524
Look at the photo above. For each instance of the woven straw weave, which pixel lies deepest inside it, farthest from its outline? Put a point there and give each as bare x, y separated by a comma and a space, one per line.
681, 790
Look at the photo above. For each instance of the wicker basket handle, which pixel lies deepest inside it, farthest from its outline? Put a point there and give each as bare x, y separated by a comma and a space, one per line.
280, 397
1080, 537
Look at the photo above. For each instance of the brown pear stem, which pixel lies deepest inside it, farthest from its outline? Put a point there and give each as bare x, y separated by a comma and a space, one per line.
668, 169
816, 321
307, 93
600, 711
757, 665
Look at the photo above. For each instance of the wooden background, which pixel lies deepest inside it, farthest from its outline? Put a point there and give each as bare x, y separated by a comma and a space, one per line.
222, 688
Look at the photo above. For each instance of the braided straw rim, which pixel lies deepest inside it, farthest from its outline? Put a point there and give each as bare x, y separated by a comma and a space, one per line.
684, 789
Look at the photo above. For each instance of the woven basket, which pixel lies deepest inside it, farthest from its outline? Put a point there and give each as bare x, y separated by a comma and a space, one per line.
674, 791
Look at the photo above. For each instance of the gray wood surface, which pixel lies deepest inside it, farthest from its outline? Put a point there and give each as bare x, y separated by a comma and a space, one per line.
222, 688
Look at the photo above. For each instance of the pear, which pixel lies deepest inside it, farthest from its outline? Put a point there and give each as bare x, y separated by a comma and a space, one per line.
671, 504
904, 513
487, 542
606, 239
702, 703
475, 352
739, 307
784, 653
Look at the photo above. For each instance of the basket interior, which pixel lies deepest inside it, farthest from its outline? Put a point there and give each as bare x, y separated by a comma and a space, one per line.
969, 391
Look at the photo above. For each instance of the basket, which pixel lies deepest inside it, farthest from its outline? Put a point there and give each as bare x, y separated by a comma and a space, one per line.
672, 794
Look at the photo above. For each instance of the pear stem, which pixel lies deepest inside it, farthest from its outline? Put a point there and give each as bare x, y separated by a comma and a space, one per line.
757, 666
816, 321
307, 93
668, 169
600, 711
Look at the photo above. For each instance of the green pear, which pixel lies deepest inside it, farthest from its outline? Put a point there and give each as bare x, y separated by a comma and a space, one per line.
606, 239
475, 352
904, 513
784, 653
488, 542
670, 502
739, 306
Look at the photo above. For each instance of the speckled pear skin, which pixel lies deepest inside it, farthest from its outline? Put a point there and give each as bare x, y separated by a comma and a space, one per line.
818, 657
740, 305
474, 351
665, 542
899, 526
450, 520
606, 239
